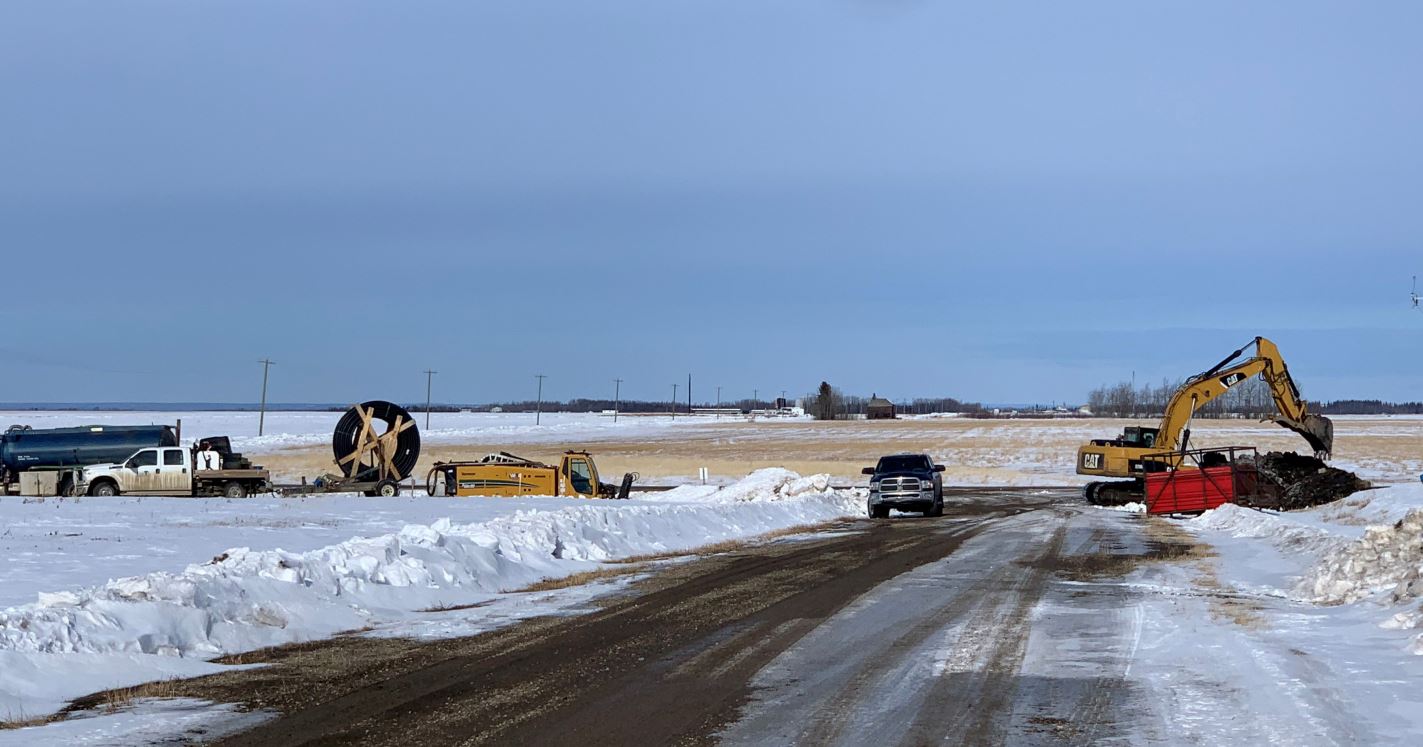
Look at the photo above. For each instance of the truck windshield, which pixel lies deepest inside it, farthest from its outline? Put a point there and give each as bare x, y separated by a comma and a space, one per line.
903, 463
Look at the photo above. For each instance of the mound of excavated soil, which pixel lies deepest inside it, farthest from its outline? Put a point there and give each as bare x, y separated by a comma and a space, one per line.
1305, 481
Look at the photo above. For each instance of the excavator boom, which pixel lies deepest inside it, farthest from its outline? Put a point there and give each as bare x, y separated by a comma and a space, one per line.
1291, 411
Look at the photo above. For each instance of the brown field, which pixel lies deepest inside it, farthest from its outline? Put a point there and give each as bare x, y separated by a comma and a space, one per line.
977, 452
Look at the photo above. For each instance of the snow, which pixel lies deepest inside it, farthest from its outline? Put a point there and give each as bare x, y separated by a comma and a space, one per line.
1362, 556
168, 621
144, 721
284, 429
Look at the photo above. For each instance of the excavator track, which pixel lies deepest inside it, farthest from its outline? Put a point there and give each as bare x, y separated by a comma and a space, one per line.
1114, 492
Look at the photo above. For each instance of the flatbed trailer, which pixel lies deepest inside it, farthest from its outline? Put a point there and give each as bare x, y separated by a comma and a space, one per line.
328, 484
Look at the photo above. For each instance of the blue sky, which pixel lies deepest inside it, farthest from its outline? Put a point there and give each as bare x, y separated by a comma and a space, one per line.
1012, 201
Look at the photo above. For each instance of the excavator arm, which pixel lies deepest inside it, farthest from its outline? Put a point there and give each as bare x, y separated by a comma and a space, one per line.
1291, 410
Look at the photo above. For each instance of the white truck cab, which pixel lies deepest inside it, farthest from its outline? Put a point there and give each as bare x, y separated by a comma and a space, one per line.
169, 470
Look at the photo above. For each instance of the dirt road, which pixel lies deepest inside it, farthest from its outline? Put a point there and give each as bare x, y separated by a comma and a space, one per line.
911, 631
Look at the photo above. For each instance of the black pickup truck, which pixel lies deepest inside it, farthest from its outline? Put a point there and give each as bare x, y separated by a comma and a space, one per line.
907, 482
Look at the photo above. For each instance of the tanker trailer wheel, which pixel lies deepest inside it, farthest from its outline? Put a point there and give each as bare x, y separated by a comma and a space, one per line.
234, 489
104, 489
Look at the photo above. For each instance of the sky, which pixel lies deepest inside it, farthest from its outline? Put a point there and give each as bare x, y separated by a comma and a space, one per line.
1001, 202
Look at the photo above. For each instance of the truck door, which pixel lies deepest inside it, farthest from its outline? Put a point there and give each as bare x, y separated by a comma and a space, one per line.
140, 473
174, 476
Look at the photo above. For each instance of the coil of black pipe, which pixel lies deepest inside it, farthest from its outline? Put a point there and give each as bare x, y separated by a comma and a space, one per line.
348, 430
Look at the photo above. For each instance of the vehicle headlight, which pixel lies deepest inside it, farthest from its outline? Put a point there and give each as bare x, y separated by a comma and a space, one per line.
874, 487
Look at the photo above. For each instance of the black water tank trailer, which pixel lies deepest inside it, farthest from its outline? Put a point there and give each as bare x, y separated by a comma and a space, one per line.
23, 448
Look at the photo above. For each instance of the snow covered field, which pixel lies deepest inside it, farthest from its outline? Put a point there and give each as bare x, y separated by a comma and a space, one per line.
288, 429
976, 452
104, 593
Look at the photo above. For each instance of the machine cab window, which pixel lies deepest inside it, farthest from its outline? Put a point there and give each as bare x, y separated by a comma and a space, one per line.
1142, 437
580, 476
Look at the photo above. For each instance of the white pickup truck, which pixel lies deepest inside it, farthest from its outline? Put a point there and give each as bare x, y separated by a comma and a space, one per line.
169, 470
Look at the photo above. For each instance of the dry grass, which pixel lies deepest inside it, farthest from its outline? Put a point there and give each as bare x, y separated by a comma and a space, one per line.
452, 607
975, 451
110, 701
584, 577
123, 697
20, 721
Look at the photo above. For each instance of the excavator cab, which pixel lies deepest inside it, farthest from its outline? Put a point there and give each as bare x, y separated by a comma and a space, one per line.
1136, 436
1133, 436
579, 474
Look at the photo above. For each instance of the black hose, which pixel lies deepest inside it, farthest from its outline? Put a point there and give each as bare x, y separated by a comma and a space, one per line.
348, 429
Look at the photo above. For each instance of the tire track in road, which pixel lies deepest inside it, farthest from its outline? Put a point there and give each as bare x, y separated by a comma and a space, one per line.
980, 716
858, 694
670, 664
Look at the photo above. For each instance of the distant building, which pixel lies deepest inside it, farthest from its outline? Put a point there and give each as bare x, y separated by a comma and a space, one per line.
879, 408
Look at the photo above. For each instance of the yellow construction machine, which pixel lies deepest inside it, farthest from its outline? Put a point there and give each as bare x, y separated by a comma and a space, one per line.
1141, 450
506, 475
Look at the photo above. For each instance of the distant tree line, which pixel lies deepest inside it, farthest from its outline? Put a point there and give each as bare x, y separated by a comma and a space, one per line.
830, 403
1367, 407
1249, 399
583, 404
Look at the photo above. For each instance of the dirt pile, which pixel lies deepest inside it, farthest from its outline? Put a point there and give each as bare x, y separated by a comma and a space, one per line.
1305, 481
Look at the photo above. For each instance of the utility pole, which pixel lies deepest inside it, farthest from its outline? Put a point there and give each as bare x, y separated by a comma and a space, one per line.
262, 411
689, 394
755, 398
617, 390
429, 380
674, 401
538, 408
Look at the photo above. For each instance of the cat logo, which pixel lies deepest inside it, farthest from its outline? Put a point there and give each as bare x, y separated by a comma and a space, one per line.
1091, 460
1232, 379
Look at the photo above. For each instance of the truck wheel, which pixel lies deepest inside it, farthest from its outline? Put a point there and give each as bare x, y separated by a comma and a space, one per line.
386, 489
879, 512
935, 510
234, 490
104, 489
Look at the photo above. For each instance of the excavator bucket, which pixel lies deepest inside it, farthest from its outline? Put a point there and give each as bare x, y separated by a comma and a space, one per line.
1316, 429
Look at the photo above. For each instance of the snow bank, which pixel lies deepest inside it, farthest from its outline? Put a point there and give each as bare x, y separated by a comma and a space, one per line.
1344, 552
1281, 530
244, 599
773, 483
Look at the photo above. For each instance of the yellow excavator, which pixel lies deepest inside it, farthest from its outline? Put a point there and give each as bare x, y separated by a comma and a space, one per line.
1141, 450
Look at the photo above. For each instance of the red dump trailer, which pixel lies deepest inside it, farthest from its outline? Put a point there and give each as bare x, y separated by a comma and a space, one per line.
1219, 476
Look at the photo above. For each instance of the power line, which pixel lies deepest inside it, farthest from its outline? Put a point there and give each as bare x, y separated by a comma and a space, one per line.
262, 410
429, 379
